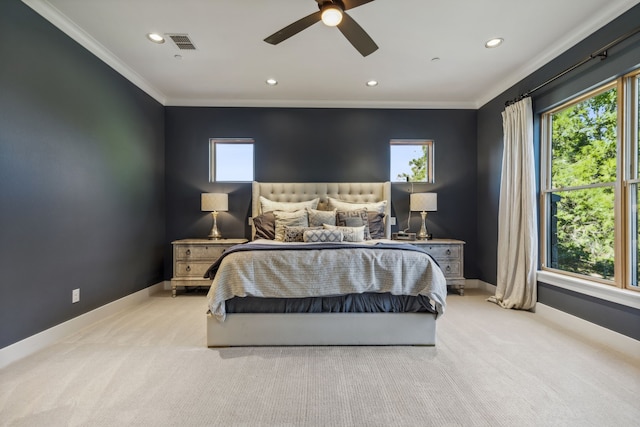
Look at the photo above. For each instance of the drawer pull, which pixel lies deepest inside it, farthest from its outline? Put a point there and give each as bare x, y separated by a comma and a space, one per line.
188, 252
448, 269
189, 268
448, 251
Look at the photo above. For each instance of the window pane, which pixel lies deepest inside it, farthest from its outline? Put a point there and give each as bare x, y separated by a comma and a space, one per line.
411, 160
634, 234
634, 193
581, 232
584, 142
637, 135
233, 161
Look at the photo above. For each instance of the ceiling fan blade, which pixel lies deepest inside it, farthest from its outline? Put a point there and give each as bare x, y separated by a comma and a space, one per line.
350, 4
293, 29
356, 35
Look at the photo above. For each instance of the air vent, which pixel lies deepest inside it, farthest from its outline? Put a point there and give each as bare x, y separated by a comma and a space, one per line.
182, 41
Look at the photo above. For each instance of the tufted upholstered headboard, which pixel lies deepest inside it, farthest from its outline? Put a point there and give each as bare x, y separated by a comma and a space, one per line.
355, 192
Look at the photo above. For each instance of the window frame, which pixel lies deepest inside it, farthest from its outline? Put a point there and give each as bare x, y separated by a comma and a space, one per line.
630, 128
627, 175
430, 174
213, 142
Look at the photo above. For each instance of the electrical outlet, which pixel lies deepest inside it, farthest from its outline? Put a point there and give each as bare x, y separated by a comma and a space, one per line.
75, 296
393, 220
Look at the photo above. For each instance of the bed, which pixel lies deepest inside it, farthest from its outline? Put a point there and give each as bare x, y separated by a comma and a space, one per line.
323, 292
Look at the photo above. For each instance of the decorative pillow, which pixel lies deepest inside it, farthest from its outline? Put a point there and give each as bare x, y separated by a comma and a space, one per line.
265, 225
348, 206
295, 234
355, 218
377, 229
271, 205
317, 218
290, 219
322, 235
350, 234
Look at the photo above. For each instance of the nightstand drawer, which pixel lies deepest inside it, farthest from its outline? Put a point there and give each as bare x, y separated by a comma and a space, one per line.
443, 251
191, 269
193, 257
451, 268
449, 254
194, 252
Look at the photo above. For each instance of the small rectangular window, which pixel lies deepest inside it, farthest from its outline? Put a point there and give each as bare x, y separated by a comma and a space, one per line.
231, 160
412, 160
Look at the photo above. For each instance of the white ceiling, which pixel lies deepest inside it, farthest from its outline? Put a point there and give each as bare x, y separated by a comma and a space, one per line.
318, 67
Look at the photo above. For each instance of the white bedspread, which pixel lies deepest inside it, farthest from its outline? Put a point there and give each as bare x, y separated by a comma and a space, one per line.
290, 273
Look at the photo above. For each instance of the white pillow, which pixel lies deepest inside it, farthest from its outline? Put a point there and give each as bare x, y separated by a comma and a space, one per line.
350, 234
289, 219
348, 206
271, 205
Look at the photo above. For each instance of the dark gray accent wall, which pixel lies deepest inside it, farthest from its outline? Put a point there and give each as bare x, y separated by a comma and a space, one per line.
619, 318
320, 145
621, 60
81, 179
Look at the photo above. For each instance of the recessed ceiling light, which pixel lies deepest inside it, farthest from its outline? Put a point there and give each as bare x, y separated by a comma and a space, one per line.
493, 43
156, 38
271, 82
372, 83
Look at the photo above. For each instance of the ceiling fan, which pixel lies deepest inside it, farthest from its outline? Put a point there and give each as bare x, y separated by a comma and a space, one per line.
332, 13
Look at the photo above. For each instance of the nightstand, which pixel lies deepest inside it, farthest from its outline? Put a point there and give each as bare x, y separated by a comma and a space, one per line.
449, 254
193, 257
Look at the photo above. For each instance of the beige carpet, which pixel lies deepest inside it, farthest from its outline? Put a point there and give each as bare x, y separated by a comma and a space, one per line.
148, 366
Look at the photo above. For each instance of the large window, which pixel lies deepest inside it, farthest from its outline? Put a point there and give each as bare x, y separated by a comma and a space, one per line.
231, 160
589, 185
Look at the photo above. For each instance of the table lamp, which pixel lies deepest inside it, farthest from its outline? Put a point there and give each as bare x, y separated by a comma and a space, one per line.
215, 202
423, 203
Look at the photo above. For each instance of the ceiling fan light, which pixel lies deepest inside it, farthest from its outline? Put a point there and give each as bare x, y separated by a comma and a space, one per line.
331, 15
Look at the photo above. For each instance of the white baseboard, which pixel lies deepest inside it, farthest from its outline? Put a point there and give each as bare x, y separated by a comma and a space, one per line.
603, 336
48, 337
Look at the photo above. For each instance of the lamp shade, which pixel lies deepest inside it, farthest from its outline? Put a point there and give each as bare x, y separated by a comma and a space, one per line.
423, 202
211, 202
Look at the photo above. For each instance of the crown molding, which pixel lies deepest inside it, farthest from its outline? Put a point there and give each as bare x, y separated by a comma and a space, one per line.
295, 103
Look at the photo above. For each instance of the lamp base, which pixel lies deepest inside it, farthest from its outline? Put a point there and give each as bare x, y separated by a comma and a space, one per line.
215, 234
423, 234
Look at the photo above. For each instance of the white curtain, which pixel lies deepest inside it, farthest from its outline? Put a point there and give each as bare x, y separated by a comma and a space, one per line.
517, 219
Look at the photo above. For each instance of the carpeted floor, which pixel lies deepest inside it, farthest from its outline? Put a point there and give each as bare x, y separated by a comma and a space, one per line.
148, 366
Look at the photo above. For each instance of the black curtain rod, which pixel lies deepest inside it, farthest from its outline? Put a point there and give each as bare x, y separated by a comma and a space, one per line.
601, 53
